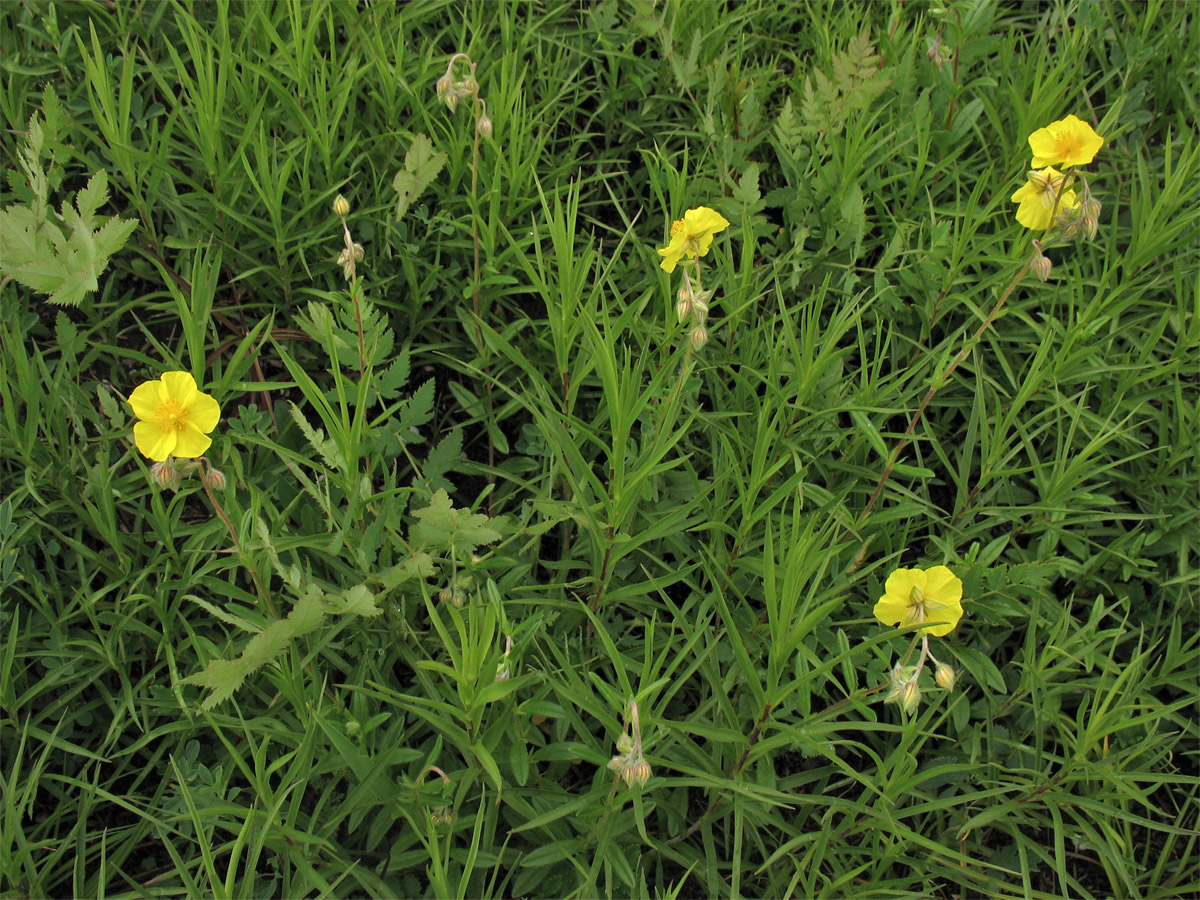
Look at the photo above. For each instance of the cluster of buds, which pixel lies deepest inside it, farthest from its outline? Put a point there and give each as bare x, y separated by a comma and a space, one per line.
629, 763
691, 304
1080, 218
451, 89
1089, 211
904, 688
453, 595
352, 253
461, 583
170, 472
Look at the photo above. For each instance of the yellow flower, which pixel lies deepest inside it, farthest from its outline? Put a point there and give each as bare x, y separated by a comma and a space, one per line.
913, 596
691, 236
1067, 142
175, 417
1037, 196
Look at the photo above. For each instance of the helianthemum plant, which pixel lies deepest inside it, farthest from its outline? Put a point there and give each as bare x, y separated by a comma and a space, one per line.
931, 598
691, 238
1047, 199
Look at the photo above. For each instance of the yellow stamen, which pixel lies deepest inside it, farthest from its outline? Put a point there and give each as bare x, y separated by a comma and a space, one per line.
171, 416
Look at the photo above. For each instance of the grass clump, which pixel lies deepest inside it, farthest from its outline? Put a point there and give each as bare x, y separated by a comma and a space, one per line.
528, 561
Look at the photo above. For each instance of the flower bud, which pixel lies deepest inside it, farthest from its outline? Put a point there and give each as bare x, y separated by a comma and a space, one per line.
683, 304
484, 126
638, 773
214, 478
944, 676
911, 698
341, 206
165, 474
698, 337
451, 101
443, 87
1090, 225
1041, 266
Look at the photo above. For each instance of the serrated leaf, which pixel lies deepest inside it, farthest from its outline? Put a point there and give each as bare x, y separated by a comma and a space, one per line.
327, 449
421, 166
21, 242
746, 191
853, 215
389, 382
111, 237
787, 128
223, 677
358, 601
419, 565
442, 458
92, 197
643, 18
417, 411
37, 254
441, 526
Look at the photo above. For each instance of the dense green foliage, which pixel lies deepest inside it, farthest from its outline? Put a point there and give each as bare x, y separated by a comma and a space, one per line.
489, 494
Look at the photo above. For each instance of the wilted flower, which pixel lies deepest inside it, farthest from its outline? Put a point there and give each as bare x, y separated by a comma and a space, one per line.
914, 596
1039, 197
683, 303
349, 257
1067, 142
910, 697
175, 417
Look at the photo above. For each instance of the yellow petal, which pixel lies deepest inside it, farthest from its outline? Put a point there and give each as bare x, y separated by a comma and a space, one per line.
152, 441
204, 412
893, 606
145, 399
179, 386
943, 585
190, 443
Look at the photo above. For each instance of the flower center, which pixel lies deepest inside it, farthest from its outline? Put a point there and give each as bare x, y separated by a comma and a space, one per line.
171, 416
1068, 144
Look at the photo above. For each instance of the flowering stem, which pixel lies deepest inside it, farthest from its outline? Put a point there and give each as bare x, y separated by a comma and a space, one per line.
737, 767
355, 292
933, 389
262, 591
